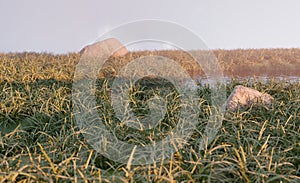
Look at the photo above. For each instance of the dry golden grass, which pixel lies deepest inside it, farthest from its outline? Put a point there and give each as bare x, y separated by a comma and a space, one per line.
39, 141
234, 63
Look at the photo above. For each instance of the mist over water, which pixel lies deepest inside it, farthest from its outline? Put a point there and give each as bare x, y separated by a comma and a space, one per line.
252, 79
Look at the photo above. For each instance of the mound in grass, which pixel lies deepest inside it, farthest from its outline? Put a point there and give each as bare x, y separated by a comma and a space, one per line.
110, 45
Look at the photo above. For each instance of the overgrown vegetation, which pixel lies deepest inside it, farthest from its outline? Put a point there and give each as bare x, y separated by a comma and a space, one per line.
39, 141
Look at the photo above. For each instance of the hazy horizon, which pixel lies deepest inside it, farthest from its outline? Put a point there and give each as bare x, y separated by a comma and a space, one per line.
67, 26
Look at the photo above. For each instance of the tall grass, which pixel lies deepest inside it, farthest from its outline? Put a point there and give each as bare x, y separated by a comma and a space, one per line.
40, 142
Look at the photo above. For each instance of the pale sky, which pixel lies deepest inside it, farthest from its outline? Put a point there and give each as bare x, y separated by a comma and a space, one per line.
62, 26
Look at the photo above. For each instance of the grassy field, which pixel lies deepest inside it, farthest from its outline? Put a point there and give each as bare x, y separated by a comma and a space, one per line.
39, 141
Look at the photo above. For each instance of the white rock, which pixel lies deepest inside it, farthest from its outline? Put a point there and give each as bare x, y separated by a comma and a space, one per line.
244, 96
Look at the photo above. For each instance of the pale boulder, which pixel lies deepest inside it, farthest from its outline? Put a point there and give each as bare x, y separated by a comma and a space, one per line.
108, 46
245, 97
